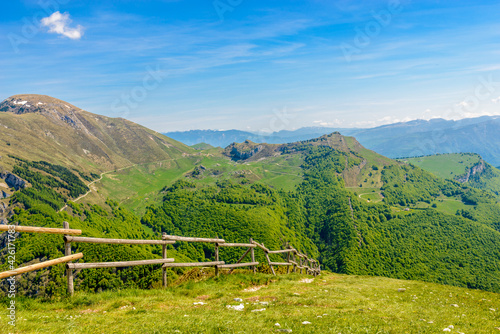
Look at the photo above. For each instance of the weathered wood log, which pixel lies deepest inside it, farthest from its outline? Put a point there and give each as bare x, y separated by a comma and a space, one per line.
269, 260
69, 272
117, 241
40, 265
194, 264
264, 248
164, 270
281, 251
216, 259
33, 229
226, 244
243, 256
239, 265
252, 256
189, 239
288, 257
117, 264
281, 264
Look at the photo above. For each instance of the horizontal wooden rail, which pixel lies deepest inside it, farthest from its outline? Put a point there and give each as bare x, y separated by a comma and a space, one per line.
117, 241
280, 263
40, 265
282, 251
264, 248
237, 245
116, 264
193, 264
33, 229
239, 265
189, 239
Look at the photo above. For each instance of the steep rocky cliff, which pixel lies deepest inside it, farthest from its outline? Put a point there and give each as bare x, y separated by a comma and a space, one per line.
476, 169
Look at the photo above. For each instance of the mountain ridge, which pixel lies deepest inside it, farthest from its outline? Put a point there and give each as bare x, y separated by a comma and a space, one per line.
404, 139
40, 127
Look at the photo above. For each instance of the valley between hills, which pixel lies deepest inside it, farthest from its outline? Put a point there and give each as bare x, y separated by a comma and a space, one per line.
431, 221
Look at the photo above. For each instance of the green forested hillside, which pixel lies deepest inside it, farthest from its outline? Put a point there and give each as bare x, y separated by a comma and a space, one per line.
468, 168
403, 236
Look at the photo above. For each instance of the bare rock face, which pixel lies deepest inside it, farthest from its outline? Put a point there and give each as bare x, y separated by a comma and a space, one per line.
243, 151
13, 181
57, 110
476, 169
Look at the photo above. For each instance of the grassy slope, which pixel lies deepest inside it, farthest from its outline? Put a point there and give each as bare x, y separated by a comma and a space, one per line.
139, 186
331, 303
97, 144
447, 166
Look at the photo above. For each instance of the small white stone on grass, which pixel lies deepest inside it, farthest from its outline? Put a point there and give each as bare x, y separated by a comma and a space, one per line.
277, 325
238, 299
306, 323
446, 330
454, 305
259, 310
492, 309
306, 280
451, 327
236, 307
199, 303
401, 290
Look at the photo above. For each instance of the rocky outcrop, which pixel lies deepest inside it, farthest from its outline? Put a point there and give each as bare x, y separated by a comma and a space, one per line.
3, 195
476, 169
13, 181
244, 153
54, 109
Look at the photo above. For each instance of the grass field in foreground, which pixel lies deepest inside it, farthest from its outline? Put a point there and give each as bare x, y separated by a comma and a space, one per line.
331, 303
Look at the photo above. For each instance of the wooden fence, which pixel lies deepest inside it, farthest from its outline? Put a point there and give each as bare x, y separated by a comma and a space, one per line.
295, 259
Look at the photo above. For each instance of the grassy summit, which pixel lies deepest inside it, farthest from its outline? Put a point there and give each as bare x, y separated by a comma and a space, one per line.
330, 303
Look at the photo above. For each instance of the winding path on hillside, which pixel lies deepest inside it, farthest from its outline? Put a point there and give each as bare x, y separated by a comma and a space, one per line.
91, 183
112, 171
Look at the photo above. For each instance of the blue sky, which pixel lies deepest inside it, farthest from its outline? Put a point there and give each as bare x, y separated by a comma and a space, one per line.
256, 65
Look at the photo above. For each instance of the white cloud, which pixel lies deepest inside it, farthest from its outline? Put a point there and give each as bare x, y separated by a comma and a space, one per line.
497, 100
59, 23
333, 123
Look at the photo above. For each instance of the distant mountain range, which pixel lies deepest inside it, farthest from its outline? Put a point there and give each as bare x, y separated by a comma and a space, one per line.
407, 139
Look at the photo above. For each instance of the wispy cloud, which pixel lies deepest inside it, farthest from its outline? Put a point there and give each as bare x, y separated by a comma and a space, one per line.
60, 24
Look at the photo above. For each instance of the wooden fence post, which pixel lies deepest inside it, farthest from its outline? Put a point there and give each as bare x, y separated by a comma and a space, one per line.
288, 257
69, 272
216, 258
252, 254
164, 270
269, 260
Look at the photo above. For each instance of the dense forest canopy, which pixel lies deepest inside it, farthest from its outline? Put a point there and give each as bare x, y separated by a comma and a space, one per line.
320, 217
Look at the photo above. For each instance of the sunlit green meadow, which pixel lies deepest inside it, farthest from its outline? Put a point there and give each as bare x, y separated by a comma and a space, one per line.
329, 303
